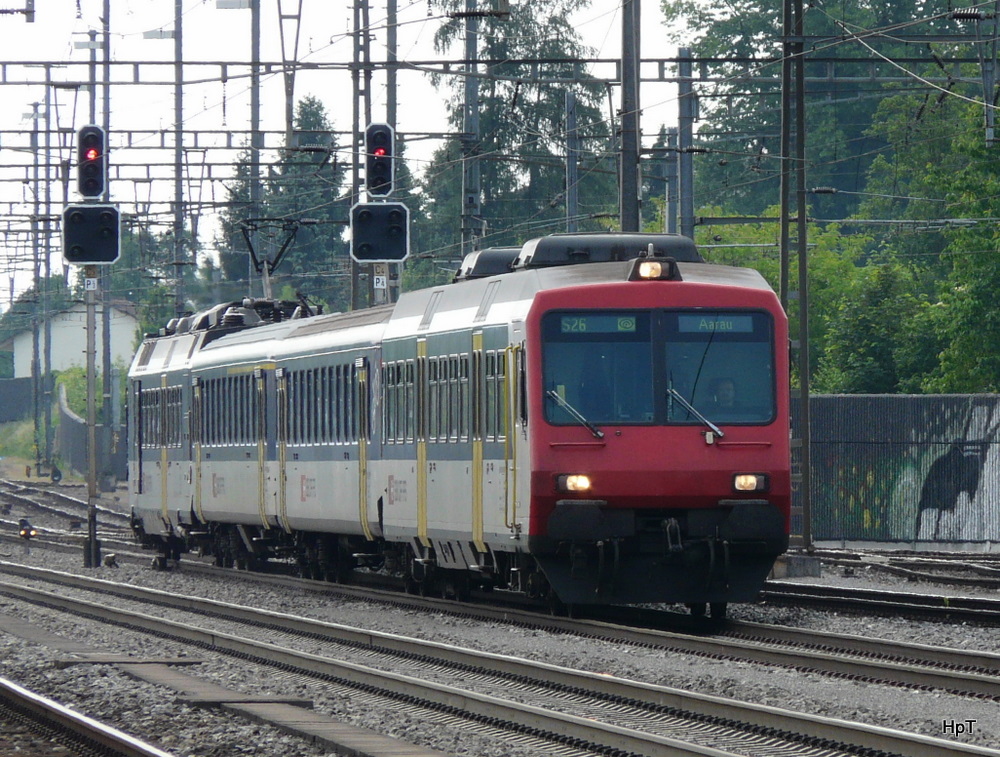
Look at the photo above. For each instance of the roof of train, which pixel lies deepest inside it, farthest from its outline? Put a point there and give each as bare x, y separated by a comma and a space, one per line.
486, 301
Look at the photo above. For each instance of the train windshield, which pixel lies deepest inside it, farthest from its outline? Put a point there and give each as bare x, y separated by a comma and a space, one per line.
600, 364
722, 363
628, 367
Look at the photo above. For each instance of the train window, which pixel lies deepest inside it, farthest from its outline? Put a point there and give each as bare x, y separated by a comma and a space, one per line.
478, 386
335, 402
598, 365
434, 411
313, 396
306, 407
332, 410
351, 425
420, 398
722, 363
409, 411
387, 405
464, 416
454, 398
321, 404
342, 394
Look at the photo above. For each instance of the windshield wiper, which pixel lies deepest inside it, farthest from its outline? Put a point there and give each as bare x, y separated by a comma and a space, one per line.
575, 413
694, 411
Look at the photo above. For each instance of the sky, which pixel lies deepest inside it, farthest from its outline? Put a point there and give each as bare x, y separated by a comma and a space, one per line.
142, 112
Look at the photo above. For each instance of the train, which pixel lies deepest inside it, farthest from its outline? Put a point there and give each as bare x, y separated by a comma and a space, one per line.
593, 418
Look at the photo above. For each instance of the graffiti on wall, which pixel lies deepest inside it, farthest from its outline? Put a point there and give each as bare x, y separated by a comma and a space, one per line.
906, 468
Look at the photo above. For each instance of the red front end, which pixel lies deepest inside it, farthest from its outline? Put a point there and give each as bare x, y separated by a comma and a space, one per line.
659, 440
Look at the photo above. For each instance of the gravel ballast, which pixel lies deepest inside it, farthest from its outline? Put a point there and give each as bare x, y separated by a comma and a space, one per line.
142, 709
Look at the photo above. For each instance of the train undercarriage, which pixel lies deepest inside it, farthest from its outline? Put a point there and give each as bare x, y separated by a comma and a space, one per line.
336, 558
703, 572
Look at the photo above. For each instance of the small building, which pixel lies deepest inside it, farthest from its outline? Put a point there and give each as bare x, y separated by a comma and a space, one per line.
69, 339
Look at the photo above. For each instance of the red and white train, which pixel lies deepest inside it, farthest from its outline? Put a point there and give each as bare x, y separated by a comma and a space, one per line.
593, 418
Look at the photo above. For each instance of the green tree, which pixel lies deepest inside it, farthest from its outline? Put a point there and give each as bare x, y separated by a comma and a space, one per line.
740, 115
305, 188
871, 334
522, 140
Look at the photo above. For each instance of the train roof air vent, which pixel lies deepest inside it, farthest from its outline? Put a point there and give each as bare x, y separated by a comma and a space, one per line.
491, 261
600, 247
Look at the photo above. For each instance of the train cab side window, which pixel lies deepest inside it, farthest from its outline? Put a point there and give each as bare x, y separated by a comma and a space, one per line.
522, 386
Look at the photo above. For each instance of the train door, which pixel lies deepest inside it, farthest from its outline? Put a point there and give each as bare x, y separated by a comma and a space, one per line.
135, 421
362, 397
515, 416
421, 442
197, 410
477, 437
280, 488
161, 413
264, 444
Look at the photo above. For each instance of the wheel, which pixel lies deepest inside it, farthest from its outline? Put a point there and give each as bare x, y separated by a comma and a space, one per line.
697, 609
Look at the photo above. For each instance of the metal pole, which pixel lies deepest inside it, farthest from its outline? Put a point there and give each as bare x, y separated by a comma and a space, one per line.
92, 553
36, 310
47, 257
670, 225
256, 136
629, 185
687, 109
572, 164
785, 149
392, 45
802, 233
471, 180
179, 256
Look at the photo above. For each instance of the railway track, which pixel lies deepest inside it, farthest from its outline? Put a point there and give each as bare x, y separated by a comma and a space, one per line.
600, 711
35, 726
908, 604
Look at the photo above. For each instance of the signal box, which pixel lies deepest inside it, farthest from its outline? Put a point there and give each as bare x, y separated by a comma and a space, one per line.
380, 232
91, 234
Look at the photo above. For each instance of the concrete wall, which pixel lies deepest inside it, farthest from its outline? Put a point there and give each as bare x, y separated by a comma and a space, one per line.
71, 446
15, 399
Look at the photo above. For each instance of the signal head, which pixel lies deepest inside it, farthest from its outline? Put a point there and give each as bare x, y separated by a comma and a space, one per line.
379, 159
91, 166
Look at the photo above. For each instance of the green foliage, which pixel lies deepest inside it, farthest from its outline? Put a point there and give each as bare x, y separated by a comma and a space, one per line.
871, 335
522, 137
75, 382
304, 185
17, 439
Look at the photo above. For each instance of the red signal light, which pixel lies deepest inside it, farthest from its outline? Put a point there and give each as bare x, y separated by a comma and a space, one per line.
92, 154
379, 152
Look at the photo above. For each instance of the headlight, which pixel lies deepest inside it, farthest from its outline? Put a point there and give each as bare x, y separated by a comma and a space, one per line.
750, 482
573, 482
650, 269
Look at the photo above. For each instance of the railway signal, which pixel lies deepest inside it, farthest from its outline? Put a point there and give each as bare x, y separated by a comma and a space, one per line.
380, 232
91, 162
27, 531
91, 234
380, 171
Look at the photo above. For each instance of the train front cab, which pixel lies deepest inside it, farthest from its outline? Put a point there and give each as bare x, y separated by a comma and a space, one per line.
645, 487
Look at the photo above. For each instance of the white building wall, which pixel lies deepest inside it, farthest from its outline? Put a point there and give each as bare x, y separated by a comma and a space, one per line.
69, 341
